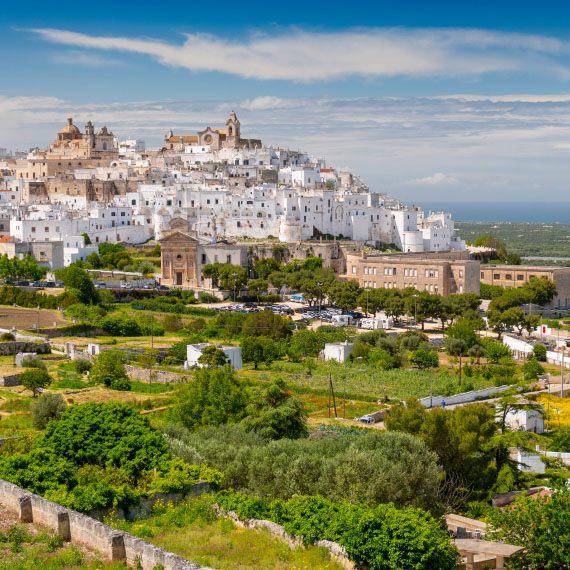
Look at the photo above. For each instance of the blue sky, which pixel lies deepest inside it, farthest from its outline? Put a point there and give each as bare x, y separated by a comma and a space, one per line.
430, 101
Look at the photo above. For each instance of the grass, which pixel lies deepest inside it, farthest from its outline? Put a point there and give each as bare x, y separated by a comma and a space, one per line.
363, 383
190, 529
29, 318
147, 388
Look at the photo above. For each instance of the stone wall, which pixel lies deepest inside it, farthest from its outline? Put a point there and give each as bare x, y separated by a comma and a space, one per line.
14, 346
337, 552
160, 376
83, 530
9, 380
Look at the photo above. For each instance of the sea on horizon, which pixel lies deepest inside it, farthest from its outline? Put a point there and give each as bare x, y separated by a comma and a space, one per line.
531, 212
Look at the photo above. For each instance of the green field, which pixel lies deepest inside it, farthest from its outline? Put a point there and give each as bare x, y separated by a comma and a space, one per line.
550, 240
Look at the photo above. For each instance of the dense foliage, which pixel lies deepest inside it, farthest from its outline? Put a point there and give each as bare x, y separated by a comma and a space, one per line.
14, 268
379, 538
100, 455
367, 467
541, 525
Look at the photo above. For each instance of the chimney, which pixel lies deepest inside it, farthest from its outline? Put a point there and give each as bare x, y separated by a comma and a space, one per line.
69, 121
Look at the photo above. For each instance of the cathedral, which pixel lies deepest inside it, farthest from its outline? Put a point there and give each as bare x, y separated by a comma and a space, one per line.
72, 143
216, 139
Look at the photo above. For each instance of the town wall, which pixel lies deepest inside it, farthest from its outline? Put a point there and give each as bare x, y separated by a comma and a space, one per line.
83, 530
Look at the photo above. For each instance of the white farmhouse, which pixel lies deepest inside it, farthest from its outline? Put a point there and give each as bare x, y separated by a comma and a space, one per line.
194, 351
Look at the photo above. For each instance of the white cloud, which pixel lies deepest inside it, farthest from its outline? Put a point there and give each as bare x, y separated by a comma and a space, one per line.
301, 55
83, 58
436, 179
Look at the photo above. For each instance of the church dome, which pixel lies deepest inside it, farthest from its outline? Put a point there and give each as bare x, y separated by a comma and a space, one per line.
69, 129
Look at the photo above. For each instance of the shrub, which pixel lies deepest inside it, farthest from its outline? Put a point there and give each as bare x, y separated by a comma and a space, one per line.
35, 380
33, 362
7, 337
48, 406
81, 366
539, 351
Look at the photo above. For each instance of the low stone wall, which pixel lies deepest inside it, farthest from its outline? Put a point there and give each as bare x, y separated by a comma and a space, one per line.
337, 552
14, 346
83, 530
160, 376
9, 380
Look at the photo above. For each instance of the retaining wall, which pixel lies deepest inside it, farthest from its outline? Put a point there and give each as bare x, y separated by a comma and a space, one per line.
14, 346
8, 380
160, 376
83, 530
336, 551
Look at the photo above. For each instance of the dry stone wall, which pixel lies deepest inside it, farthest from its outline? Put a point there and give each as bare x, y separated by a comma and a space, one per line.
83, 530
14, 346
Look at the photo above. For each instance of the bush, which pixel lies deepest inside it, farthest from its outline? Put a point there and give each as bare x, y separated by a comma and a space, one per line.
81, 366
35, 380
7, 337
539, 351
48, 406
109, 369
33, 362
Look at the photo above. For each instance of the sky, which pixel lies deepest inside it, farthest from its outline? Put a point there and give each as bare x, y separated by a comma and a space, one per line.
428, 101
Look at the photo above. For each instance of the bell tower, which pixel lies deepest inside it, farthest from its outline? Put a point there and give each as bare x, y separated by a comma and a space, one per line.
233, 135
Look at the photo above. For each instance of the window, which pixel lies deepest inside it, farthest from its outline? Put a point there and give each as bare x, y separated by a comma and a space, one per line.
520, 277
461, 273
133, 202
496, 275
508, 276
46, 229
353, 269
482, 275
178, 257
33, 230
122, 214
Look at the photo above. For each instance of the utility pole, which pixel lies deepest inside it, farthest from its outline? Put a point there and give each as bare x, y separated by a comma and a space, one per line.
562, 374
331, 387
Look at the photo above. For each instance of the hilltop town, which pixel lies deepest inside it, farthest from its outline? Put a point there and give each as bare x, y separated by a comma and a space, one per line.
220, 353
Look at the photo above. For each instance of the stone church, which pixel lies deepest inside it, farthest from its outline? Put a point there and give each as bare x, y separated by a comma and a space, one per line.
216, 139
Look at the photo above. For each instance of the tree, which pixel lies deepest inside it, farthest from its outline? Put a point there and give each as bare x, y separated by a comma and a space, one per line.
109, 369
494, 243
395, 305
276, 414
372, 300
212, 357
421, 306
257, 287
35, 380
225, 275
514, 318
344, 295
263, 268
259, 350
77, 280
496, 351
215, 397
532, 369
13, 268
539, 351
463, 330
47, 407
540, 290
111, 434
315, 284
424, 359
541, 525
267, 324
86, 239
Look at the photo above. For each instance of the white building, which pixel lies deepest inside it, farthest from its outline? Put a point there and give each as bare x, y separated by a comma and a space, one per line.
339, 351
194, 351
